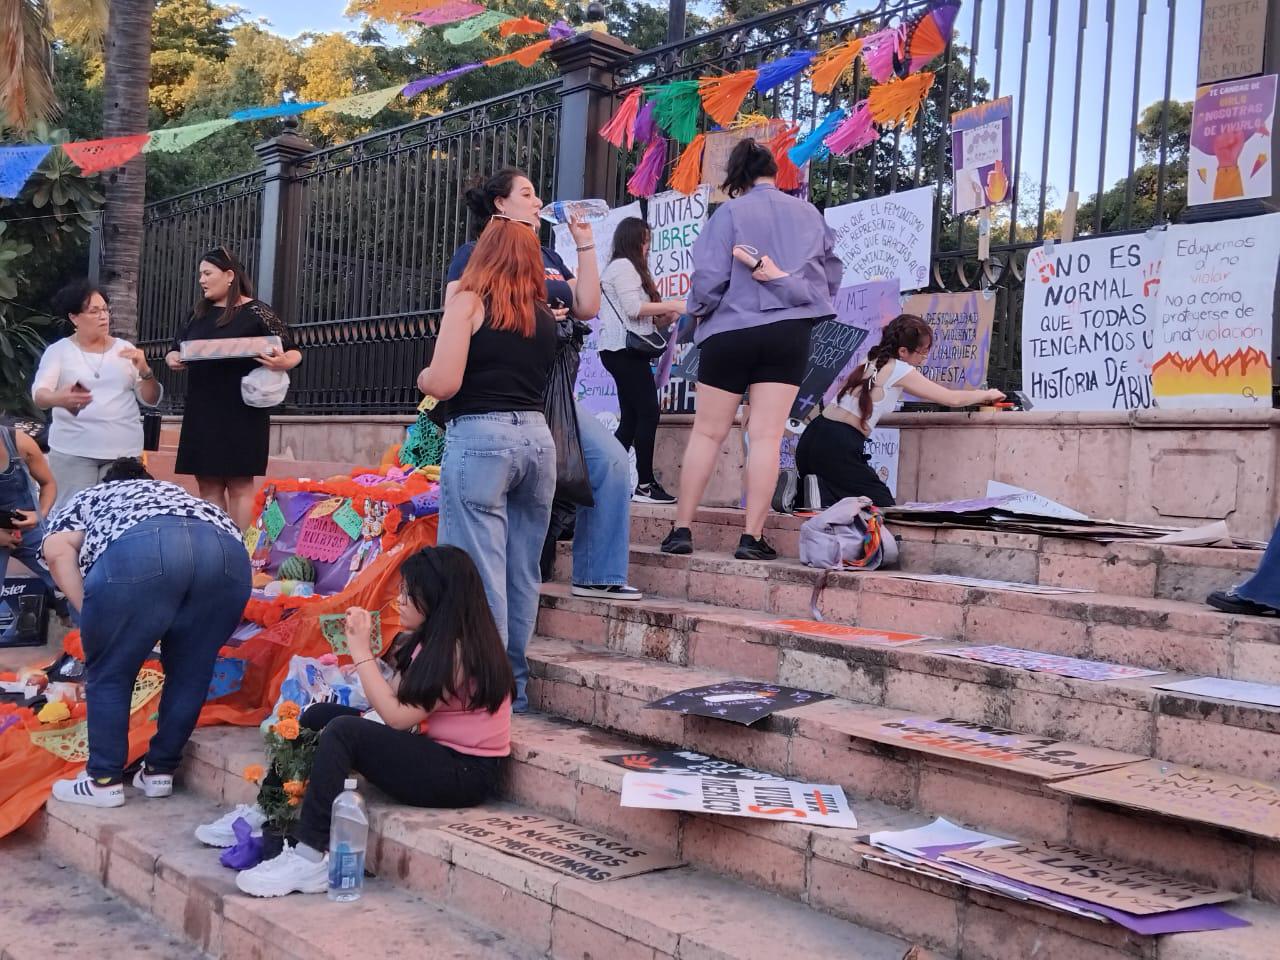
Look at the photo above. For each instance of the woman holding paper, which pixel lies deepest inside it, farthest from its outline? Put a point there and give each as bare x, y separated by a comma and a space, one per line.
833, 447
93, 382
225, 441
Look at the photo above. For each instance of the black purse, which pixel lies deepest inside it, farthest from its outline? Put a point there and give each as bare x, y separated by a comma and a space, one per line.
648, 345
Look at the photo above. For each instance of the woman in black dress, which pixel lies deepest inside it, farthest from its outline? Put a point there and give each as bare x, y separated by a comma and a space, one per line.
225, 441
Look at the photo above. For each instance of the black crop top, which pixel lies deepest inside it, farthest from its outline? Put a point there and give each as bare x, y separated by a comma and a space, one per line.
506, 371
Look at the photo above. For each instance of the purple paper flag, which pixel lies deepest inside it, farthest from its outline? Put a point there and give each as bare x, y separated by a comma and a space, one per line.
561, 31
435, 80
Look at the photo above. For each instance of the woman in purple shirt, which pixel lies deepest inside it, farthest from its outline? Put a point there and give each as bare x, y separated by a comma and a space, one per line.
764, 272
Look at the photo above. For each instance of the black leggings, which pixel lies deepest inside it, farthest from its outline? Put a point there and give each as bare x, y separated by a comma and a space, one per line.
410, 767
638, 403
836, 453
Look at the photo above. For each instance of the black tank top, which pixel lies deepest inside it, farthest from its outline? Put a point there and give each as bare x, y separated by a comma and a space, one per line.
506, 372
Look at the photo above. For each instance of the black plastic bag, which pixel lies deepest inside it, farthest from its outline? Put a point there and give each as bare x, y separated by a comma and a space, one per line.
564, 517
572, 481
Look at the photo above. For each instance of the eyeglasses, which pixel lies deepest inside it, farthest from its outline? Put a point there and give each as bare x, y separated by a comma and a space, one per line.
96, 312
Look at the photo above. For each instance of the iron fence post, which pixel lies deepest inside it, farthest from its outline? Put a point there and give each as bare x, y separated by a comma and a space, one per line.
279, 157
586, 63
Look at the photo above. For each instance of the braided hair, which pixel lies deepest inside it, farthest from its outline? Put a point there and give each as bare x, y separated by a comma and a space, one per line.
905, 330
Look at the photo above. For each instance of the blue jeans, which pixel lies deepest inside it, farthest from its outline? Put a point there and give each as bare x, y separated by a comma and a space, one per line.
1264, 586
178, 581
497, 481
602, 534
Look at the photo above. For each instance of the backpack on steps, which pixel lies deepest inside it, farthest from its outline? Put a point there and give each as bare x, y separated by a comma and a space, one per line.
849, 535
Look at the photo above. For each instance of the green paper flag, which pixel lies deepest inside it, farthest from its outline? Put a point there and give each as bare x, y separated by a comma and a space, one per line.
347, 518
173, 139
363, 105
469, 30
274, 520
334, 628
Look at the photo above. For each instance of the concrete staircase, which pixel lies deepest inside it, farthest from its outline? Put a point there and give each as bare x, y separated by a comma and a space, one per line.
754, 889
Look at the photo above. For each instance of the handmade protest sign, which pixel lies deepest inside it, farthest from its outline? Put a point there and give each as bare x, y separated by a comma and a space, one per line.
334, 628
1242, 691
1233, 35
1088, 321
742, 701
685, 763
883, 447
1213, 342
840, 631
1188, 793
1230, 156
1041, 757
961, 324
981, 151
720, 143
675, 222
1086, 876
888, 238
1050, 663
563, 847
820, 804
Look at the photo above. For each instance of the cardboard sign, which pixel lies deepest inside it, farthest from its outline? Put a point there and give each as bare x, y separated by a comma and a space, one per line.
1213, 341
273, 520
742, 701
347, 518
981, 151
890, 237
883, 447
1241, 691
1040, 757
1050, 663
1094, 879
334, 628
321, 539
1188, 793
840, 631
978, 583
686, 763
675, 222
1088, 323
1233, 35
720, 143
818, 804
961, 347
1230, 156
563, 847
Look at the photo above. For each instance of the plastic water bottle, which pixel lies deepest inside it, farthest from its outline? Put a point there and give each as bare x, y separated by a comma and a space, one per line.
348, 837
562, 211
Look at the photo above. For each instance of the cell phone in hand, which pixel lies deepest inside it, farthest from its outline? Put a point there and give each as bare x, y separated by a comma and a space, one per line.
9, 519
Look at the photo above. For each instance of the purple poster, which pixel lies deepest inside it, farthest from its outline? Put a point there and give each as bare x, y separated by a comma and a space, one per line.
981, 155
1231, 141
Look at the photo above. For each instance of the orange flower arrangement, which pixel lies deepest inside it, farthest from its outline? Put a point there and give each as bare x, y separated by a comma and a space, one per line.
254, 773
288, 729
294, 789
289, 711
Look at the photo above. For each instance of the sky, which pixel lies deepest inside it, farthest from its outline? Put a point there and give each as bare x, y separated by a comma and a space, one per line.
291, 17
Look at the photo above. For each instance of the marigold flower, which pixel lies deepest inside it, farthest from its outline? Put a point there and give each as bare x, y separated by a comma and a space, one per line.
254, 773
294, 788
295, 801
287, 729
289, 711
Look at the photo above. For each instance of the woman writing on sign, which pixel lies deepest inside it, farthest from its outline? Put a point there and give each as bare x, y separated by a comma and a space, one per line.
833, 446
754, 323
442, 727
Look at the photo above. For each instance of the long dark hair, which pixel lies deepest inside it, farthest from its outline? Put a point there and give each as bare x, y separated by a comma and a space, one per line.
481, 197
75, 296
748, 162
241, 285
459, 652
905, 330
628, 244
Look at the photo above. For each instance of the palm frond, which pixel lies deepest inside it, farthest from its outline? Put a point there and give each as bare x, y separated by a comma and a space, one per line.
82, 23
26, 63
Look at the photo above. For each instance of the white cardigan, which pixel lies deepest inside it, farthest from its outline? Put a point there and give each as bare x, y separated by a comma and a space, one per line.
621, 292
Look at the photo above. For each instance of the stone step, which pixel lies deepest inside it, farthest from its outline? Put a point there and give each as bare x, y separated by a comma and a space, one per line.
427, 878
1128, 715
1144, 632
1125, 568
161, 464
46, 909
828, 742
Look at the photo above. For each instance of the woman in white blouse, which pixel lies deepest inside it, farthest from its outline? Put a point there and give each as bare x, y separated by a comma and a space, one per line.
93, 382
630, 304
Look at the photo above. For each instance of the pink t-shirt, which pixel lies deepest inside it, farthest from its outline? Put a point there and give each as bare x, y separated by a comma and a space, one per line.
477, 733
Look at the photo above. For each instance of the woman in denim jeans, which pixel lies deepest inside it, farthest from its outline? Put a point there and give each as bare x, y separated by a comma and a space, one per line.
144, 562
490, 369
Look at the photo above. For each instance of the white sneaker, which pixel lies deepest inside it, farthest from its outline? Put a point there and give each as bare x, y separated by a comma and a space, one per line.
288, 873
220, 832
154, 785
84, 791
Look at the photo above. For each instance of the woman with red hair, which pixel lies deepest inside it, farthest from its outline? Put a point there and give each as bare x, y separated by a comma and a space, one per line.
492, 360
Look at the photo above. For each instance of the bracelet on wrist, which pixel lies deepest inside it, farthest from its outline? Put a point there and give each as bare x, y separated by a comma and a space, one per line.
365, 660
589, 246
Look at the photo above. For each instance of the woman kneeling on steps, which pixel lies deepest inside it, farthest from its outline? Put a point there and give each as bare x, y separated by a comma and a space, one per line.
437, 733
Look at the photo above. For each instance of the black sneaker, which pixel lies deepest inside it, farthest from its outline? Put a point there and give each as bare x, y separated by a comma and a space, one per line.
749, 548
606, 591
679, 541
651, 493
1228, 601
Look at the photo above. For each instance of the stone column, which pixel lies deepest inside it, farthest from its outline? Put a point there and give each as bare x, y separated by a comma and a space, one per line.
277, 241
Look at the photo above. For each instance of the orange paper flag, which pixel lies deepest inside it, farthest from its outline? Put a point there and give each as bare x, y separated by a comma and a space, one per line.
834, 64
94, 156
788, 176
523, 25
688, 172
898, 101
722, 96
525, 56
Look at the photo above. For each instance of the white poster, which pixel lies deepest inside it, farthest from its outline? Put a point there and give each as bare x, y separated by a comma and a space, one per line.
882, 446
819, 804
676, 222
1088, 321
890, 237
1213, 346
603, 230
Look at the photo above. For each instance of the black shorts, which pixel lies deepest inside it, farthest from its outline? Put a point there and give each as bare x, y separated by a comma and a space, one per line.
774, 353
